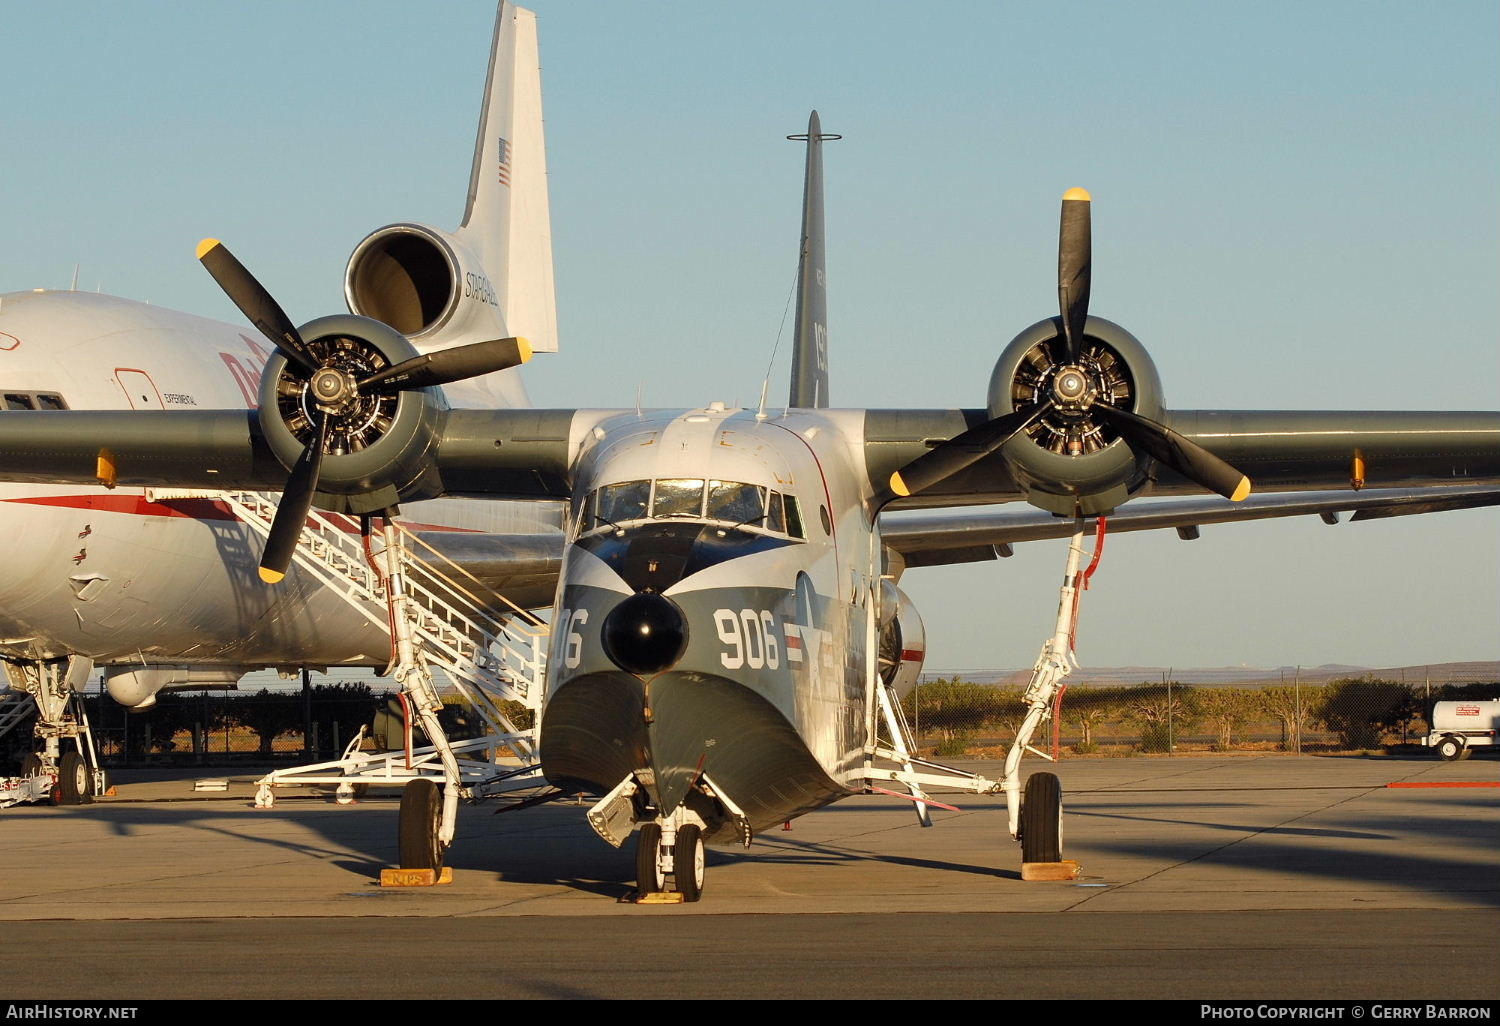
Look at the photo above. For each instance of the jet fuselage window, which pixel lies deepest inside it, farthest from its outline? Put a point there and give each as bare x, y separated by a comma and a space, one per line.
32, 401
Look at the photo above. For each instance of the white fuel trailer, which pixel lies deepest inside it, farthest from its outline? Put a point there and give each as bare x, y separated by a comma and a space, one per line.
1459, 727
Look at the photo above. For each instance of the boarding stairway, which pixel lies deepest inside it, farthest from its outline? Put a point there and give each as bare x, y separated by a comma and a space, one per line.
442, 621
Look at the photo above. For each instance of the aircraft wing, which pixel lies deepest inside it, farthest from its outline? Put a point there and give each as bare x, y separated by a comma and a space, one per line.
220, 449
1280, 451
933, 539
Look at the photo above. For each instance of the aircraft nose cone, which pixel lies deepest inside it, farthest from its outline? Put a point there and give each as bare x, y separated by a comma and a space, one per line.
645, 634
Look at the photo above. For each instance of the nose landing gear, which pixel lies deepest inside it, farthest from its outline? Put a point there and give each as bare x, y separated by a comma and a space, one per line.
669, 863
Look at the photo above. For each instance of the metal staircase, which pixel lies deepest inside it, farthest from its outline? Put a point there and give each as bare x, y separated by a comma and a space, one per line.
442, 621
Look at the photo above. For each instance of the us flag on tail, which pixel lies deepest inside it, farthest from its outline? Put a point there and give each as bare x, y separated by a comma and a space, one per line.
504, 170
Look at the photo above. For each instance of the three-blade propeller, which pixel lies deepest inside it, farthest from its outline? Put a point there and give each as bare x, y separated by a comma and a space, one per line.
328, 388
1068, 391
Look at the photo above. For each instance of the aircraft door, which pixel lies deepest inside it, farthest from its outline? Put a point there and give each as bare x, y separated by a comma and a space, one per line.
140, 391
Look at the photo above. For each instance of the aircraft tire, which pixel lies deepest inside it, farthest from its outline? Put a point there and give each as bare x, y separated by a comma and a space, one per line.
648, 875
421, 815
1450, 748
1041, 819
31, 765
75, 779
687, 863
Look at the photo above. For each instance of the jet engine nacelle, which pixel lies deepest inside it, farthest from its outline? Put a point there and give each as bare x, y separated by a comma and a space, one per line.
136, 687
1070, 459
426, 284
381, 446
903, 639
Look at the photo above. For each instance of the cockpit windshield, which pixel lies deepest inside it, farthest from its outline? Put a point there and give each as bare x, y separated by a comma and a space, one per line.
732, 502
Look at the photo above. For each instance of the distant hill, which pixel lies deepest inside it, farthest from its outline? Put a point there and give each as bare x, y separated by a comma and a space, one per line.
1436, 673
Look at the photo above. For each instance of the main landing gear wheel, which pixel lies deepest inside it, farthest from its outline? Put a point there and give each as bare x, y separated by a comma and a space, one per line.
1450, 748
648, 875
687, 862
1041, 819
31, 765
75, 780
421, 814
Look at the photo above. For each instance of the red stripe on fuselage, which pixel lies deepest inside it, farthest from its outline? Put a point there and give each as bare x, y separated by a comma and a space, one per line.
136, 505
191, 509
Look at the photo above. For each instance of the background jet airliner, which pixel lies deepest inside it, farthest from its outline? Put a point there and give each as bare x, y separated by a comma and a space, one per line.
160, 589
728, 589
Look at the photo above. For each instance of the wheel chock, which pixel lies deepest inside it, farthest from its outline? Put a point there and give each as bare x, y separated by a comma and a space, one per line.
415, 877
653, 898
1067, 869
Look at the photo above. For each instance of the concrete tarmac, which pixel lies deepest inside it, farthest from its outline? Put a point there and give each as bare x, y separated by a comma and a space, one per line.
1241, 877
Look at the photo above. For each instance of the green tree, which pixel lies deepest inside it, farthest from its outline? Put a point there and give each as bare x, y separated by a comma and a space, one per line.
1361, 709
268, 714
340, 709
1226, 710
1292, 707
1087, 709
1162, 711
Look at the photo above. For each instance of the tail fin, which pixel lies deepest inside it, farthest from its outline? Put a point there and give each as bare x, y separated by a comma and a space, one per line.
507, 223
810, 344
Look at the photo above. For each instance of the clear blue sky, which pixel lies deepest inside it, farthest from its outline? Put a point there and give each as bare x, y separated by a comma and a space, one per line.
1295, 207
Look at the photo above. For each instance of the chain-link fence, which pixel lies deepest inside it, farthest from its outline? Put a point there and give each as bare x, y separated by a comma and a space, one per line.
217, 727
954, 717
948, 716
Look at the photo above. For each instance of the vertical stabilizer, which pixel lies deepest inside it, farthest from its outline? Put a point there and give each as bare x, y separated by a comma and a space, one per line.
507, 223
810, 345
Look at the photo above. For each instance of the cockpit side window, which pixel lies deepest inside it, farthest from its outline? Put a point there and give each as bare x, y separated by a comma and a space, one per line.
737, 503
794, 518
676, 497
776, 514
620, 502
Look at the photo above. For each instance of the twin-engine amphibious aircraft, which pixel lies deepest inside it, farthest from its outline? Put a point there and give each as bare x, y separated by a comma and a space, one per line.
729, 638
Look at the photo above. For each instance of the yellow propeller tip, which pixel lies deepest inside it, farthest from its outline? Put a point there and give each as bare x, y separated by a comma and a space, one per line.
205, 246
899, 486
270, 576
523, 346
1076, 193
1241, 490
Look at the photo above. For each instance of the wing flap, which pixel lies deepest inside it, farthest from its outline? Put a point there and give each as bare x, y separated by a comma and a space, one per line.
931, 539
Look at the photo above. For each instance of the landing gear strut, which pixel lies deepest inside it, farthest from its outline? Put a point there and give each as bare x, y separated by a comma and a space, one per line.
1036, 817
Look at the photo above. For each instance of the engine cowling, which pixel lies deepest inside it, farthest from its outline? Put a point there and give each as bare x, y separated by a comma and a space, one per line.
903, 640
380, 445
425, 283
1070, 459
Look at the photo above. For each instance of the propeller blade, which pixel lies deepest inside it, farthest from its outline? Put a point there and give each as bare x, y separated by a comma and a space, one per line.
291, 512
1074, 269
255, 302
1186, 457
962, 451
455, 364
